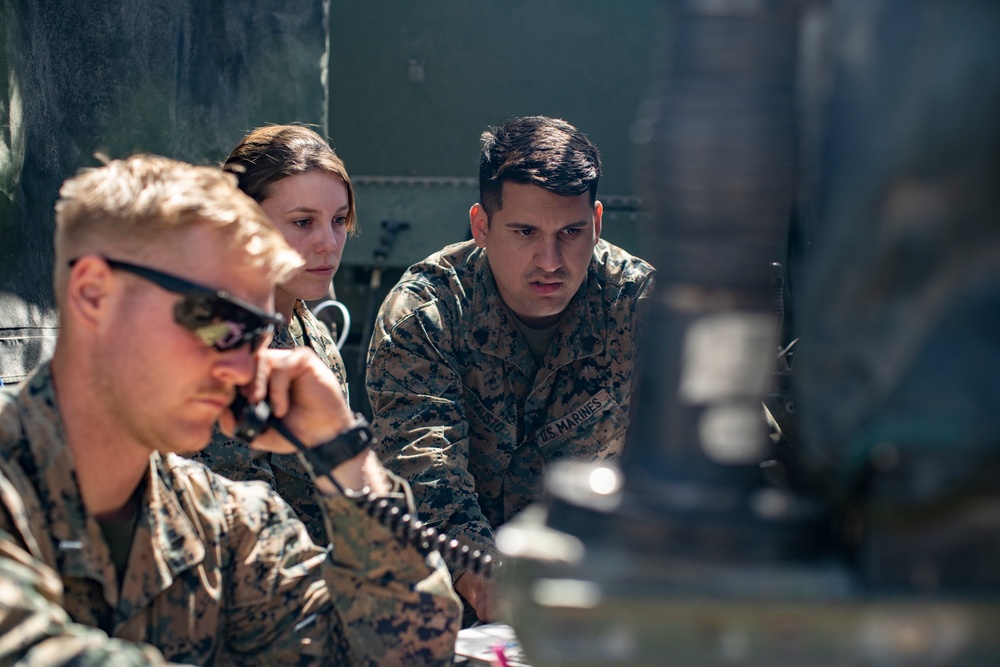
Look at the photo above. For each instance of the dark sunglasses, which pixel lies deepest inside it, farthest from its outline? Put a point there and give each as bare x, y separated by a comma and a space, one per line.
216, 317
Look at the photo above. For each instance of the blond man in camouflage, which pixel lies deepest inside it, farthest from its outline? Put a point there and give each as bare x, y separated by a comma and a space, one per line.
495, 356
164, 280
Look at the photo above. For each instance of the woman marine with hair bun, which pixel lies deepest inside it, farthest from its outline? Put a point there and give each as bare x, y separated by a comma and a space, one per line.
304, 188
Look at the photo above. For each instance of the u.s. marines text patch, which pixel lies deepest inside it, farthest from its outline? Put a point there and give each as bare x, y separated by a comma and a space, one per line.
592, 406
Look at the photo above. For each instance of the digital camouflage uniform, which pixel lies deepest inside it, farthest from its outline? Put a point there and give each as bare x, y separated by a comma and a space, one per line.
283, 472
221, 572
462, 410
35, 631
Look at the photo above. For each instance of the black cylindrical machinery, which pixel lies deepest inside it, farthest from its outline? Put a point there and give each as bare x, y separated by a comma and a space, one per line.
869, 538
718, 171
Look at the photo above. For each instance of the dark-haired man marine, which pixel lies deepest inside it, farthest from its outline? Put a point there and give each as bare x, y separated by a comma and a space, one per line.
496, 356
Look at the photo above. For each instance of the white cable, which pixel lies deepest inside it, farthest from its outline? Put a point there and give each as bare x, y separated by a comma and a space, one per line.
343, 311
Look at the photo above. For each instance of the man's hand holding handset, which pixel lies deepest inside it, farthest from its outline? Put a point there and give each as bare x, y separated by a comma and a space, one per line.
306, 397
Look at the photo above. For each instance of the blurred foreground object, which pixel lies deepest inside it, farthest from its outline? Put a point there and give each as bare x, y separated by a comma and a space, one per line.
869, 533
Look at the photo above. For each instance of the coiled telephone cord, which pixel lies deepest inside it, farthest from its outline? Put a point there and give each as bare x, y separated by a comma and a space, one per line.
426, 539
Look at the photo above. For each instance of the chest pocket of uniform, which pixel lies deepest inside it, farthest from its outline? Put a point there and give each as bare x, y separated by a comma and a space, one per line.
592, 431
492, 443
491, 439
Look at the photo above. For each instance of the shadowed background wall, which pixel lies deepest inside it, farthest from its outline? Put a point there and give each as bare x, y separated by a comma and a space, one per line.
183, 79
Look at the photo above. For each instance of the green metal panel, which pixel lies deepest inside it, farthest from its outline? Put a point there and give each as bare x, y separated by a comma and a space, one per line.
413, 85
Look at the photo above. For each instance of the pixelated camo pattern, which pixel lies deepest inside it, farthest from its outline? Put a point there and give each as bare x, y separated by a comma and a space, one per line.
282, 472
462, 410
35, 631
219, 572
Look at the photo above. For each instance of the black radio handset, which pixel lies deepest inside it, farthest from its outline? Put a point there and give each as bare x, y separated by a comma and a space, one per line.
254, 419
251, 419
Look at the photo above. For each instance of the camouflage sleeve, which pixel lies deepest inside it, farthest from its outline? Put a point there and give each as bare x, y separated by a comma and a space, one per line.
35, 629
642, 302
397, 606
415, 389
381, 603
279, 610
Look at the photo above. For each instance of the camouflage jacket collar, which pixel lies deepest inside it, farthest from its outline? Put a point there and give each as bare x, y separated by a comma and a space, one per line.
303, 329
284, 334
165, 541
580, 334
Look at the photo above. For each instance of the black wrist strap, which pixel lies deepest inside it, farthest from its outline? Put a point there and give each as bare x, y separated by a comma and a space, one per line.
326, 456
345, 446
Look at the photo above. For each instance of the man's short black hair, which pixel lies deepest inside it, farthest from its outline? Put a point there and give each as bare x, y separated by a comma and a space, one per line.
537, 150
